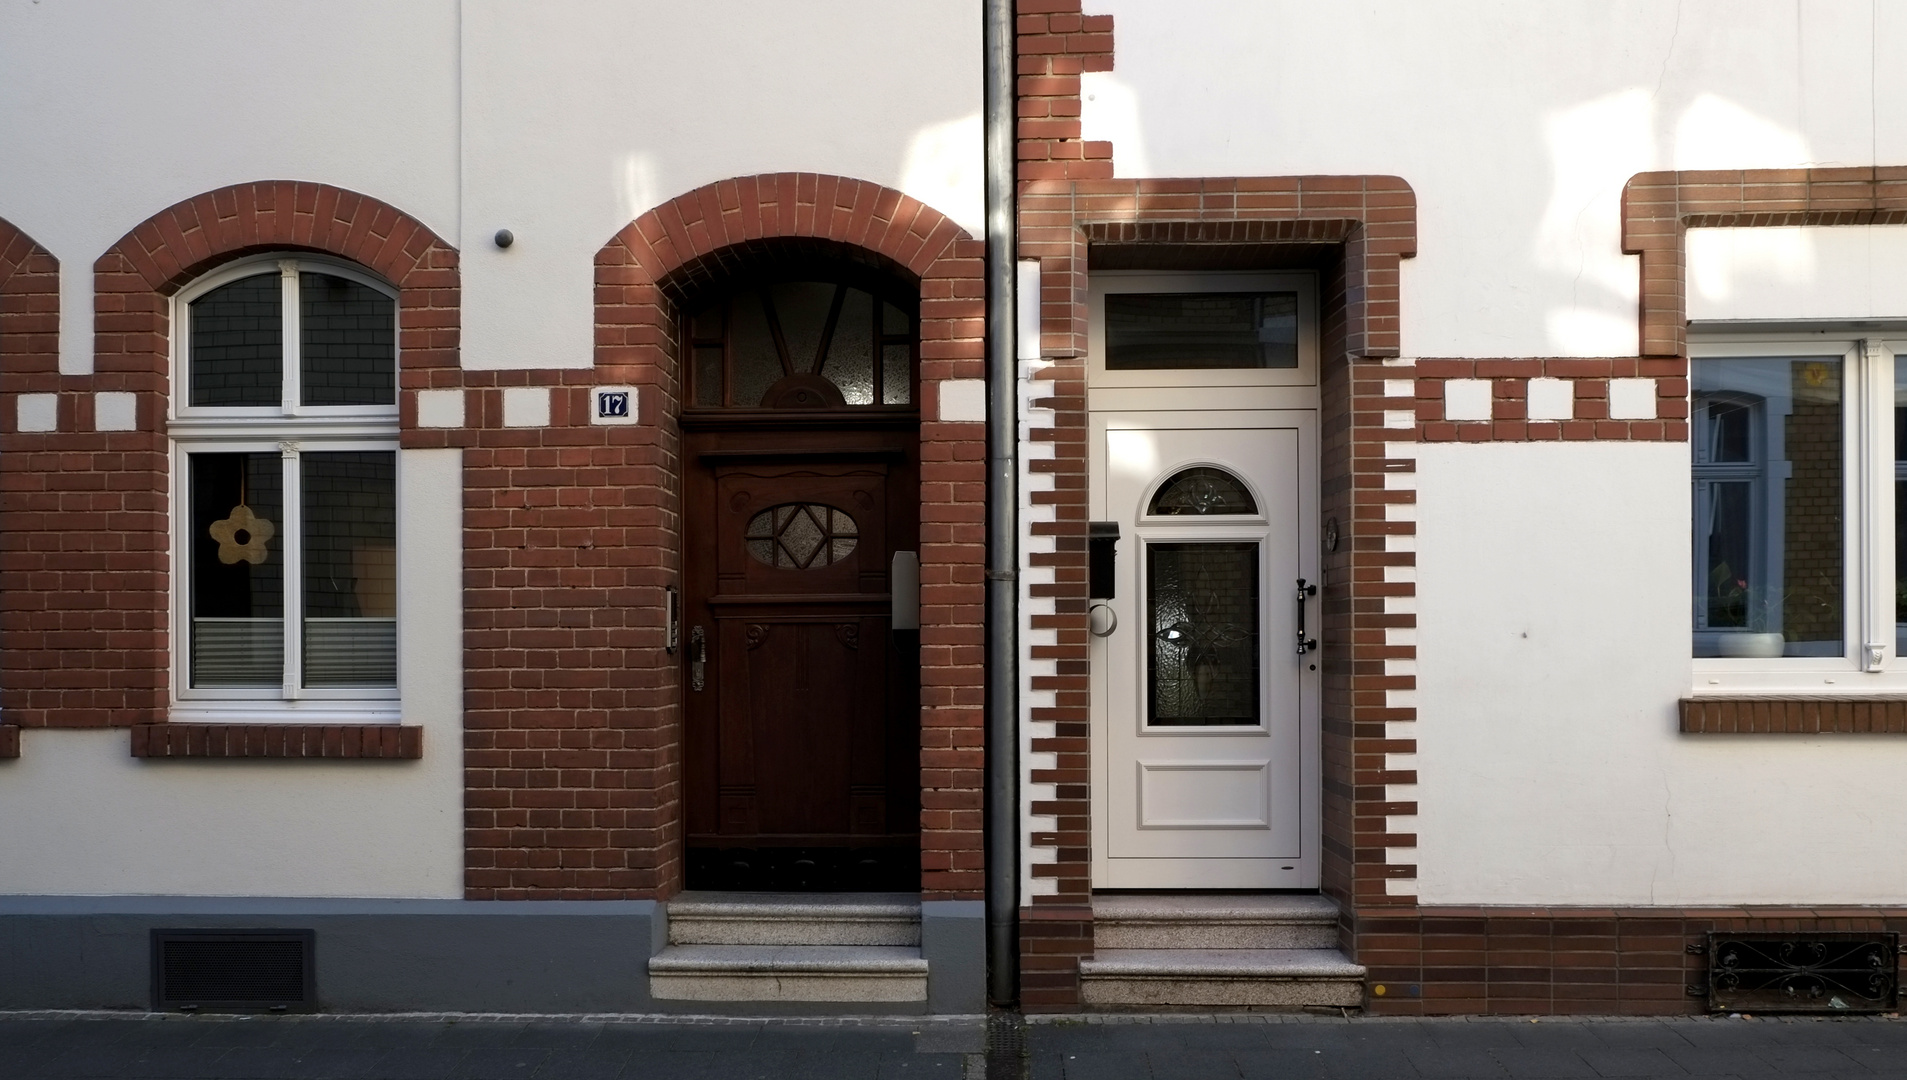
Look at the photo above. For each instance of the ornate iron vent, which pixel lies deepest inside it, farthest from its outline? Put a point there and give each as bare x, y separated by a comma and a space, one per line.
1821, 972
233, 970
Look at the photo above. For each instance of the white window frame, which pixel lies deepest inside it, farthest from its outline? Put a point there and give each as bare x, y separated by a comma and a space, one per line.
290, 429
1870, 661
1103, 282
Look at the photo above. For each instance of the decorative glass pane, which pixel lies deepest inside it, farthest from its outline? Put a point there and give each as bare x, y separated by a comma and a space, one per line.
757, 362
802, 307
897, 374
350, 572
850, 363
1202, 615
708, 375
1770, 530
348, 342
237, 569
1201, 330
1203, 490
1900, 505
895, 321
237, 344
800, 536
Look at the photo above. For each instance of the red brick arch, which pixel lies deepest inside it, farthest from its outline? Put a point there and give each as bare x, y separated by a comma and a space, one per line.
635, 343
84, 634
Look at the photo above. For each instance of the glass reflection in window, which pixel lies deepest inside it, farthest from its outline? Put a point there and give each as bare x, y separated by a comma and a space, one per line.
1202, 618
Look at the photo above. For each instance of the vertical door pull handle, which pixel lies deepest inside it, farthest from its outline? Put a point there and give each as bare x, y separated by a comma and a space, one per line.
698, 657
1305, 592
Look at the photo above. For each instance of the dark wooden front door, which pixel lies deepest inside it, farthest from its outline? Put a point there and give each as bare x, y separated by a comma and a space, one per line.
802, 702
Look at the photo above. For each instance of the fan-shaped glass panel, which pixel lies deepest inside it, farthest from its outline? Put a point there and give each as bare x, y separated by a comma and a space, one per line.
1203, 490
801, 536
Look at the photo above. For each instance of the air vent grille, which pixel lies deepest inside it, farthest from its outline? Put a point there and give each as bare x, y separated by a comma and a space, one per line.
232, 970
1819, 972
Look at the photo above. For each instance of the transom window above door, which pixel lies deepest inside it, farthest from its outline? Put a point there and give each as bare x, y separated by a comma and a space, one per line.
1220, 329
803, 344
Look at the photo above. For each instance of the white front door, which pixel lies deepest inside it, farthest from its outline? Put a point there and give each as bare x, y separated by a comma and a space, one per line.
1205, 708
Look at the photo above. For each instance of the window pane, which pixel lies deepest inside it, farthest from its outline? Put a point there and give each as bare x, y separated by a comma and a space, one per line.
350, 572
1203, 490
802, 308
757, 363
237, 344
348, 340
1201, 330
1770, 528
850, 363
237, 569
708, 375
1202, 613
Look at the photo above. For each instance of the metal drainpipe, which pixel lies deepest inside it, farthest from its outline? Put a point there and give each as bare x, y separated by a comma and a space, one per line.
1003, 539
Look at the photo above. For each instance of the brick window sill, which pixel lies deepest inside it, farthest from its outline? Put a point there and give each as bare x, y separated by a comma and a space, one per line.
1794, 716
284, 741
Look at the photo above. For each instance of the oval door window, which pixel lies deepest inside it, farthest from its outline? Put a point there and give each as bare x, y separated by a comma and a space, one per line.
801, 536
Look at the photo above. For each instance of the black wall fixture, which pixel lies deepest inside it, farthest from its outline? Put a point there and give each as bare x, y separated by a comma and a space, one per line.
1102, 542
1801, 972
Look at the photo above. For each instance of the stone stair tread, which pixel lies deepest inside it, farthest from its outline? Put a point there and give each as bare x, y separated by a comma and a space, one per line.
868, 960
1194, 907
1220, 964
762, 906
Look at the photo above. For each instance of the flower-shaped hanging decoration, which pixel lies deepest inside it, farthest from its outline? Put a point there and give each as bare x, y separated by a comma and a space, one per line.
242, 536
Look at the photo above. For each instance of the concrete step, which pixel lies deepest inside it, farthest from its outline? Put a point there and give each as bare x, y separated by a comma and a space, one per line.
720, 918
841, 973
1236, 977
1207, 921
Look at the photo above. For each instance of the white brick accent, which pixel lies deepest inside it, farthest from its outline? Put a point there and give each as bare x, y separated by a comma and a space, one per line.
1631, 399
1466, 399
115, 410
526, 406
963, 401
38, 412
440, 408
1552, 399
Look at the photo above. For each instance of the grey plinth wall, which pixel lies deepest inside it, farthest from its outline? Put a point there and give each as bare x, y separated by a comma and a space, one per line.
555, 956
953, 939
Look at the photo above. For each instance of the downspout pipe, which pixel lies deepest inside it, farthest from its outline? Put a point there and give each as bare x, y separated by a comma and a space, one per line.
1003, 532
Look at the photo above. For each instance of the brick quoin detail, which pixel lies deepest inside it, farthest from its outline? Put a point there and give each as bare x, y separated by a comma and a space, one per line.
85, 632
29, 363
1589, 378
1353, 230
572, 534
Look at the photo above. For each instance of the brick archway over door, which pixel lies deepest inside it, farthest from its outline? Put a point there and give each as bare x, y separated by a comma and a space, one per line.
635, 333
85, 642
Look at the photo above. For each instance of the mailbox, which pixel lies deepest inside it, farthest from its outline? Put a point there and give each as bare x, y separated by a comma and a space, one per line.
1102, 541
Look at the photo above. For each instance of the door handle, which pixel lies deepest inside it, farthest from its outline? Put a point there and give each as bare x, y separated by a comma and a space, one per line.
1305, 591
903, 586
698, 657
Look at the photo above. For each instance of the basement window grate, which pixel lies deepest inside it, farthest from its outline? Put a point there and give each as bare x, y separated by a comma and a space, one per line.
1802, 972
233, 970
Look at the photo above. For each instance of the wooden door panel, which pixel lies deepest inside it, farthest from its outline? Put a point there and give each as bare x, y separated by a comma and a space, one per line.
805, 738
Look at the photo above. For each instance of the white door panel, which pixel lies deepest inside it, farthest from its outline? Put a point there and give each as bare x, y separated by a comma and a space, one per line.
1205, 712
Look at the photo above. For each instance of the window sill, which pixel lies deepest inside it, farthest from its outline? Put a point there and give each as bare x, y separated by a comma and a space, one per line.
9, 741
286, 741
1794, 715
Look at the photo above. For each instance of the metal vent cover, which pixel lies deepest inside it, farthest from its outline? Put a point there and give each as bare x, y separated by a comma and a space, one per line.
233, 970
1828, 972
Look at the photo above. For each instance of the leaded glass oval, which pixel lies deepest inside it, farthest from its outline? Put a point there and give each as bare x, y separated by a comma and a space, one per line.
1203, 490
801, 536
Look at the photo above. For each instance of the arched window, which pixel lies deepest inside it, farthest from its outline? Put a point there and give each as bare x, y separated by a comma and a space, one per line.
815, 341
1202, 490
285, 424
